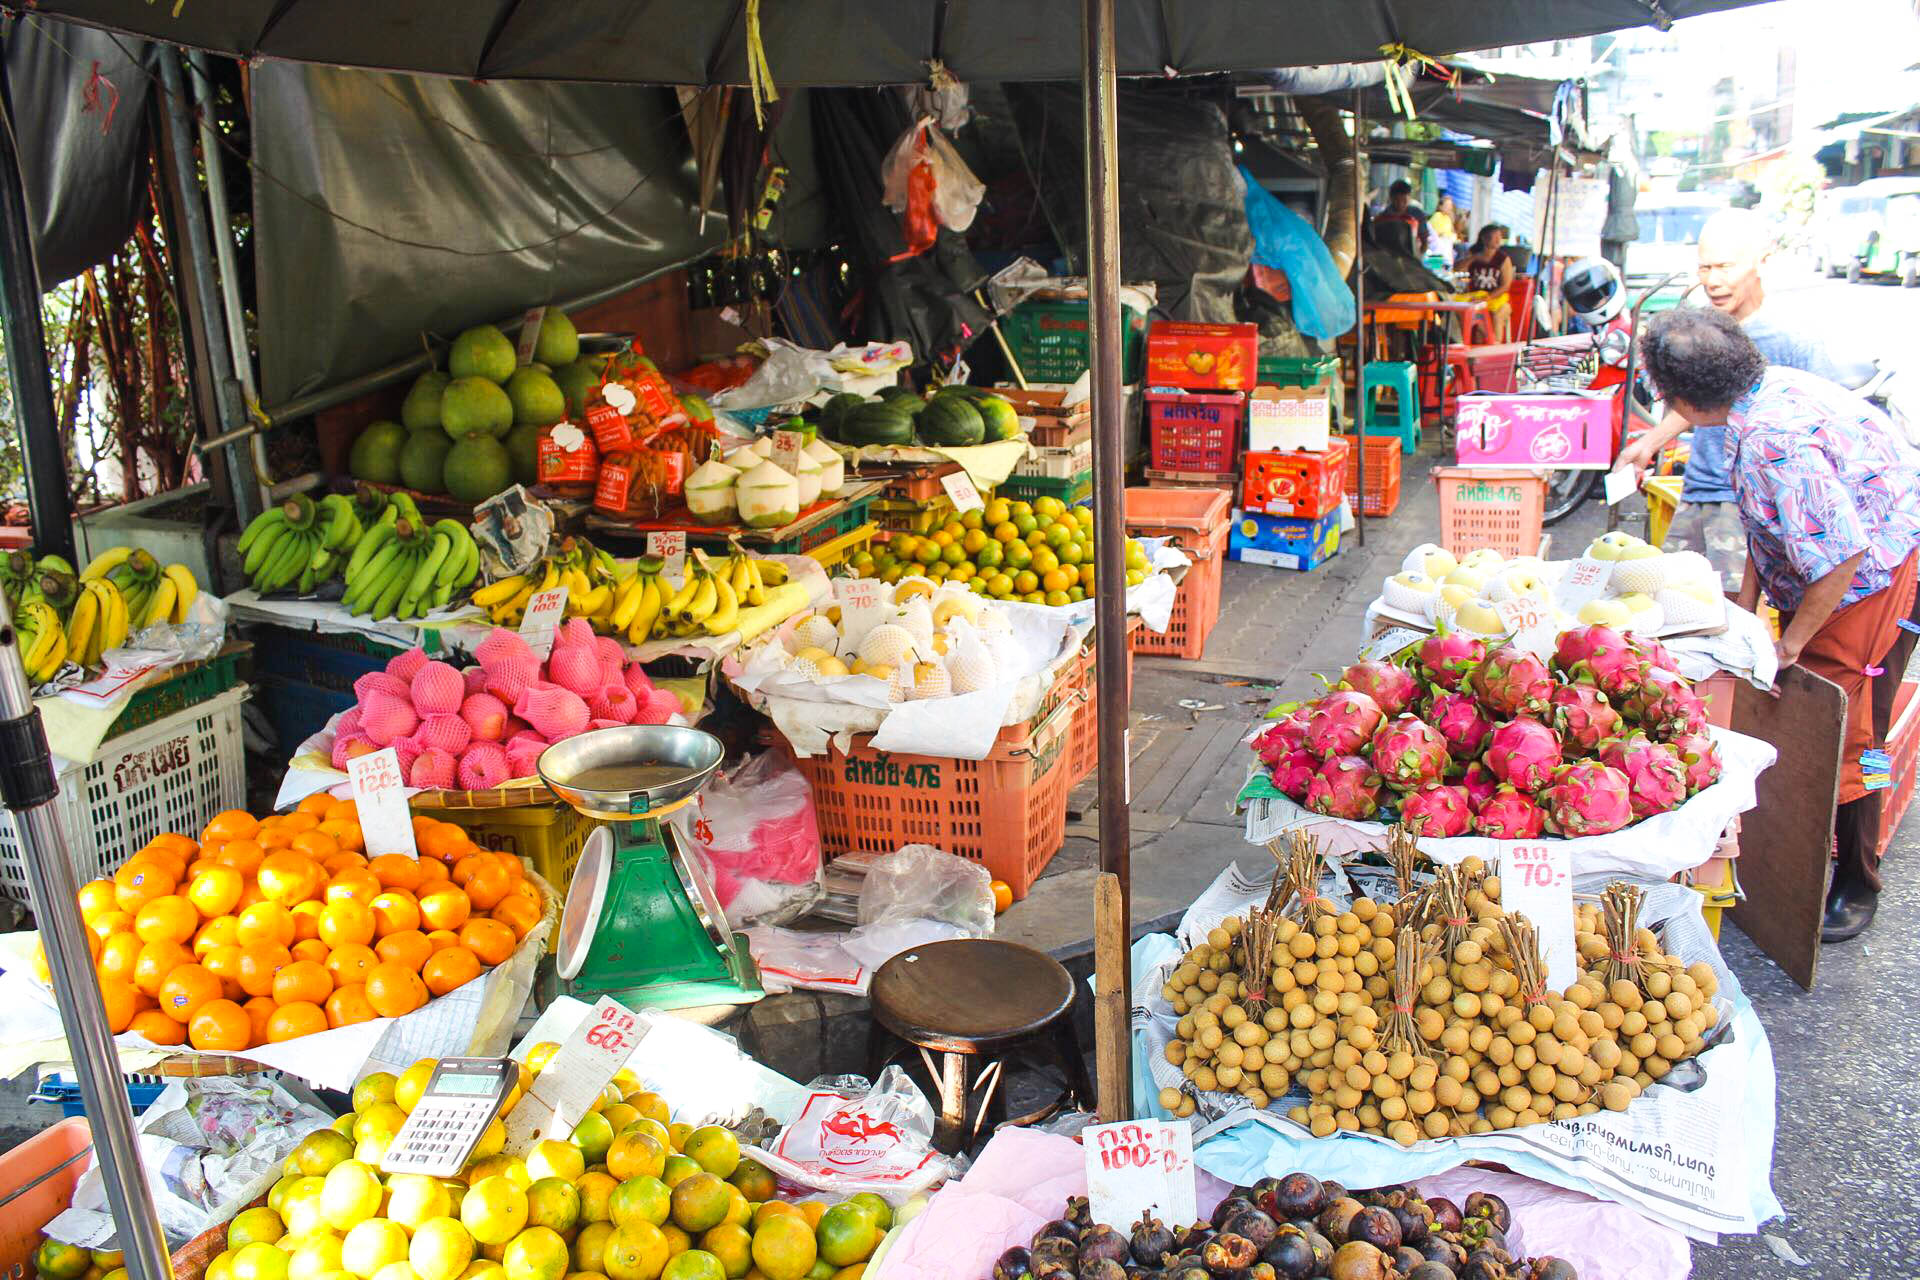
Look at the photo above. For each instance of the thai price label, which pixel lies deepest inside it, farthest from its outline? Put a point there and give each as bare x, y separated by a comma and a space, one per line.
1390, 642
1530, 623
380, 795
786, 450
1536, 880
1584, 580
598, 1046
960, 488
1140, 1166
542, 619
671, 546
529, 335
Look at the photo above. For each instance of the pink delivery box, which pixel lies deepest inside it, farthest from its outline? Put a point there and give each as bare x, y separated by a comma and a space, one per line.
1567, 430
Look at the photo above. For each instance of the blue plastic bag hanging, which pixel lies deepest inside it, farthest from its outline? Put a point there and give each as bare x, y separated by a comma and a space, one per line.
1285, 241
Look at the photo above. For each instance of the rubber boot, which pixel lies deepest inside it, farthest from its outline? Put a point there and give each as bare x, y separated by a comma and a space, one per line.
1852, 899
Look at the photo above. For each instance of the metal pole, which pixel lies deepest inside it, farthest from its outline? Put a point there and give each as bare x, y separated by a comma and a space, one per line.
1360, 310
44, 453
1099, 93
28, 789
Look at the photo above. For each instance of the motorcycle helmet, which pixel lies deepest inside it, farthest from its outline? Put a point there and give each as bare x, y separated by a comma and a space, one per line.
1594, 291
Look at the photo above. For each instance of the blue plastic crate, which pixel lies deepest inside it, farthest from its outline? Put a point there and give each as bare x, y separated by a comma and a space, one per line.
65, 1094
297, 710
324, 660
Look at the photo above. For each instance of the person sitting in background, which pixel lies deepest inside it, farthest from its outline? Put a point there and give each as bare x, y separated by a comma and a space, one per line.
1489, 271
1443, 230
1401, 225
1829, 496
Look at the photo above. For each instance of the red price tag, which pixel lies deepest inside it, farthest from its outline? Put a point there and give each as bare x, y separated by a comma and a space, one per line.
380, 797
960, 488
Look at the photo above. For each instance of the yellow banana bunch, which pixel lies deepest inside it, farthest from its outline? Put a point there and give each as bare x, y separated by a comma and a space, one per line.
101, 621
42, 640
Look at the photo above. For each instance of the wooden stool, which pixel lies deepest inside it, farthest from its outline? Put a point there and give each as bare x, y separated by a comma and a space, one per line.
974, 997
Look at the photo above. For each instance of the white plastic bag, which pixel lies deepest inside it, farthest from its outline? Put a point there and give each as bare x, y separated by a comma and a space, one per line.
756, 831
920, 882
956, 192
850, 1138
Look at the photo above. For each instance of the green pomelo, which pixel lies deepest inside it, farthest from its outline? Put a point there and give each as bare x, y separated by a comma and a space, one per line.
577, 381
558, 342
376, 453
537, 399
482, 352
422, 407
474, 406
477, 468
422, 461
523, 453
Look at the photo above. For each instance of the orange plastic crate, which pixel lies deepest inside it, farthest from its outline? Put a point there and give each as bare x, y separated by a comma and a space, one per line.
1903, 744
1084, 754
1383, 474
1196, 521
37, 1179
1490, 507
1007, 812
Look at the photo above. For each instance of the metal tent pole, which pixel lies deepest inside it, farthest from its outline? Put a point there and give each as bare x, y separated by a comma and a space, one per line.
44, 453
1360, 314
28, 788
1099, 95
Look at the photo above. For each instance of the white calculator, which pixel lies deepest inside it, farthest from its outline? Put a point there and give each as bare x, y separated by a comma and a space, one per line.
460, 1101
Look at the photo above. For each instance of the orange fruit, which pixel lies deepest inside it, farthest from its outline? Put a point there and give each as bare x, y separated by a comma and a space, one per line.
394, 911
445, 907
346, 922
347, 965
174, 842
170, 918
289, 877
464, 867
302, 980
345, 860
316, 804
118, 953
348, 1005
215, 890
157, 1027
166, 856
442, 840
487, 885
306, 918
453, 967
343, 807
221, 931
518, 914
441, 939
232, 824
434, 874
266, 922
396, 870
259, 962
316, 844
346, 834
275, 837
140, 882
121, 1002
291, 1021
185, 990
356, 884
409, 947
492, 941
108, 923
260, 1011
220, 1026
311, 949
243, 856
1002, 895
155, 961
223, 962
299, 820
96, 897
394, 989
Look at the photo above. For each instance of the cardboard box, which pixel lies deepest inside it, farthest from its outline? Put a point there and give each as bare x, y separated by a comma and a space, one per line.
1300, 484
1283, 543
1282, 419
1202, 357
1568, 430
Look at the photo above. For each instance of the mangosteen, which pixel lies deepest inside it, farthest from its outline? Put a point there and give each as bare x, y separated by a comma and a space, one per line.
1551, 1268
1298, 1195
1334, 1219
1058, 1229
1262, 1271
1015, 1264
1378, 1227
1322, 1248
1054, 1249
1446, 1214
1254, 1225
1102, 1269
1406, 1258
1439, 1249
1055, 1269
1333, 1189
1227, 1208
1431, 1271
1186, 1271
1150, 1241
1484, 1265
1358, 1260
1101, 1242
1415, 1220
1228, 1252
1290, 1254
1190, 1239
1079, 1211
1483, 1204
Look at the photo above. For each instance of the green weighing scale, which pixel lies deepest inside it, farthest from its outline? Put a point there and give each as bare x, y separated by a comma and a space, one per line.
642, 923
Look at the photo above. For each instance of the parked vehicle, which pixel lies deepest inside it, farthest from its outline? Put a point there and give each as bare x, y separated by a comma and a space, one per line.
1853, 222
1669, 241
1894, 249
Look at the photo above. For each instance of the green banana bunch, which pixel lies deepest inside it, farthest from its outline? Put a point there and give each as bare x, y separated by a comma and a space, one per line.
408, 568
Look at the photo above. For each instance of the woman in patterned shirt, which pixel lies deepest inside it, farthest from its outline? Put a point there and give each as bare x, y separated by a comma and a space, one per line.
1829, 495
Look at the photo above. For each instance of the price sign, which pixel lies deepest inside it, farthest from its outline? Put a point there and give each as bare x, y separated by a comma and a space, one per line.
1390, 642
858, 593
1530, 623
959, 487
671, 546
1622, 484
1140, 1166
1584, 580
542, 619
529, 335
786, 449
598, 1046
1536, 880
380, 795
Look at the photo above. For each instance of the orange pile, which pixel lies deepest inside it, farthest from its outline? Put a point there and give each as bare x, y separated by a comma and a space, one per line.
266, 929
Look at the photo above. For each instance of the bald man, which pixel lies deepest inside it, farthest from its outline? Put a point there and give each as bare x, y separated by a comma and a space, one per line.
1734, 244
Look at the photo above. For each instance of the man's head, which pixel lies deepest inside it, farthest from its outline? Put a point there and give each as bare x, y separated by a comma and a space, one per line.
1399, 196
1701, 361
1733, 244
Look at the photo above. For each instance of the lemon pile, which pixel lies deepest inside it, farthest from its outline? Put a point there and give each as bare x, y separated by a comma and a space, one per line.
1040, 552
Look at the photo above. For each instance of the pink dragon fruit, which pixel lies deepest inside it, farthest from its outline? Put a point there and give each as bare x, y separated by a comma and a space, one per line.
1599, 656
1587, 798
1654, 771
1512, 682
1409, 752
1583, 717
1462, 725
1523, 752
1509, 814
1345, 787
1437, 810
1701, 756
1293, 772
1281, 738
1446, 657
1393, 688
1666, 705
1339, 724
1479, 781
1651, 653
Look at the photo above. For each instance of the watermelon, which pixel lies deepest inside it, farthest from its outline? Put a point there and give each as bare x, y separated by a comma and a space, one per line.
1001, 419
903, 399
949, 422
876, 423
834, 410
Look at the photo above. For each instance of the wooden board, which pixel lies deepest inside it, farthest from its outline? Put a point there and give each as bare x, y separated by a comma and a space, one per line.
1112, 1031
1786, 840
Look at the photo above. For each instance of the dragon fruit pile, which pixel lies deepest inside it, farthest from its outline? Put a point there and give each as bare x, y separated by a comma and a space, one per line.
1461, 738
476, 728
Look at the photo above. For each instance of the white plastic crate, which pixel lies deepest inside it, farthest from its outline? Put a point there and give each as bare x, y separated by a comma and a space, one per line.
1056, 464
171, 775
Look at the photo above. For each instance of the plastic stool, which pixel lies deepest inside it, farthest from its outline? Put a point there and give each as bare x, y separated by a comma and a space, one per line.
1400, 378
1445, 391
974, 998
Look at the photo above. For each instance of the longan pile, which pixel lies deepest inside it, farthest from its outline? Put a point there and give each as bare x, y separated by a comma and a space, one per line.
1478, 1054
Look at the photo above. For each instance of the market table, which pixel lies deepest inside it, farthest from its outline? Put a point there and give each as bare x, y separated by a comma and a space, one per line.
1467, 310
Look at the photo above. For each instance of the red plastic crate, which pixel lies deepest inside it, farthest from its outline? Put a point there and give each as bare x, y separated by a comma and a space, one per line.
1383, 474
1903, 745
1195, 430
1300, 484
1196, 521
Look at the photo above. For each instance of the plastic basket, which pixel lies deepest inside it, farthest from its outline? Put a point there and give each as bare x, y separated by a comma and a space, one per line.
1051, 340
1903, 745
1056, 464
65, 1094
323, 659
845, 547
185, 686
1383, 474
913, 517
547, 837
1084, 753
297, 711
1195, 430
172, 775
1299, 371
1196, 520
1007, 812
1070, 490
1663, 503
921, 485
37, 1181
1484, 507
